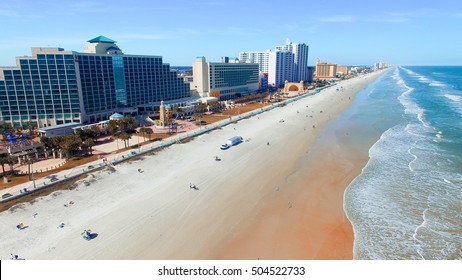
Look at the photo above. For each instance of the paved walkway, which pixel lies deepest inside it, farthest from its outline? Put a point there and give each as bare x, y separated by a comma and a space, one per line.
42, 165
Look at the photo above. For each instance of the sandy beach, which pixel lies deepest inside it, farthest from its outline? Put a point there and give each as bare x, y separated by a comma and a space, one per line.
278, 201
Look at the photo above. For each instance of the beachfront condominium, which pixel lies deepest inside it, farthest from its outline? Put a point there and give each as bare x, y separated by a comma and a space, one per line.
225, 80
300, 51
54, 86
261, 58
277, 63
325, 71
280, 67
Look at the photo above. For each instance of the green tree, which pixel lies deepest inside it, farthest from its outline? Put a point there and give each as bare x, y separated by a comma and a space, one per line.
89, 143
200, 108
30, 127
70, 144
143, 132
125, 137
18, 130
128, 123
149, 132
113, 126
10, 161
6, 129
3, 161
96, 132
215, 106
47, 141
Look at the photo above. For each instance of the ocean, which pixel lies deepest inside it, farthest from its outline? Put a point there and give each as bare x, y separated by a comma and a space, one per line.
407, 202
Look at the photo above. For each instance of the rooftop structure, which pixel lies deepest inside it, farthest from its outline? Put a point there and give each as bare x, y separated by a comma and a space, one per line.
101, 39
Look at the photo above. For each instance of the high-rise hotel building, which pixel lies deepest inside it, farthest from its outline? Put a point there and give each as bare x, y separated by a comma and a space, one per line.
55, 86
288, 62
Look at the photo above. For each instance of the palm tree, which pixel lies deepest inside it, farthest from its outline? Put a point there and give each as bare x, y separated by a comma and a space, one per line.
28, 161
149, 132
125, 137
143, 132
3, 161
10, 161
30, 127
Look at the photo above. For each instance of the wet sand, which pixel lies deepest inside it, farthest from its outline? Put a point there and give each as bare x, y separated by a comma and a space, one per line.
304, 217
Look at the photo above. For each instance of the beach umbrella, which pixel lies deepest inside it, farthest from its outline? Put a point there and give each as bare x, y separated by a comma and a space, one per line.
22, 141
11, 142
25, 135
11, 136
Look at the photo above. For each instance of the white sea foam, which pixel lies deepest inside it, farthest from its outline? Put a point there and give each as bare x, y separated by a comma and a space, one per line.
410, 106
456, 98
423, 78
410, 72
447, 181
415, 158
436, 84
408, 194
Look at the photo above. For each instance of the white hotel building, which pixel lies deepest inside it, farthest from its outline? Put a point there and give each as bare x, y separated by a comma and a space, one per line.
288, 62
224, 80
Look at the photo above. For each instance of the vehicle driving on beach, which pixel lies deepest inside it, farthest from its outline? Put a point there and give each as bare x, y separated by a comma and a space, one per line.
231, 142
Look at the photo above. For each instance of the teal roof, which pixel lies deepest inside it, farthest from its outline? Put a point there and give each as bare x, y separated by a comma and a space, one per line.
101, 39
116, 116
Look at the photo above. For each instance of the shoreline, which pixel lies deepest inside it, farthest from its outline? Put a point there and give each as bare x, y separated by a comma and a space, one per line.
155, 215
308, 210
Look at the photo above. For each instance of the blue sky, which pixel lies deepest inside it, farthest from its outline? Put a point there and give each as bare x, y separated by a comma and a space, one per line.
344, 32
